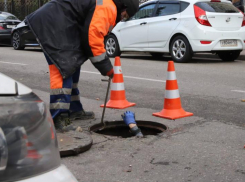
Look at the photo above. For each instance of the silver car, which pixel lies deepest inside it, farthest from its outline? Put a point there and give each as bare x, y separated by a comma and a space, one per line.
28, 143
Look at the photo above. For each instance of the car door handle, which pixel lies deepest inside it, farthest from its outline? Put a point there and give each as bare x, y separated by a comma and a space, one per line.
172, 19
143, 23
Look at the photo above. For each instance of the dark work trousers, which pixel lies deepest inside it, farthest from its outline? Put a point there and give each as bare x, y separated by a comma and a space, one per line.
64, 94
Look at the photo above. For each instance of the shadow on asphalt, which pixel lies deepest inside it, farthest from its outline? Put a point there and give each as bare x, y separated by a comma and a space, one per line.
5, 46
33, 49
197, 58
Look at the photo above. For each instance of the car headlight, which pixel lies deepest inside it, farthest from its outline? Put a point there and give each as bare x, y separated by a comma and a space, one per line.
28, 145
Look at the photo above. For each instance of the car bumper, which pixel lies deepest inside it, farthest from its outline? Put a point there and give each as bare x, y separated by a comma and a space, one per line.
60, 174
199, 33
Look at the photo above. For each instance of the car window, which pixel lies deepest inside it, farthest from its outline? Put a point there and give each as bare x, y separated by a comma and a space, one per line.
167, 9
144, 12
217, 7
7, 17
11, 18
183, 6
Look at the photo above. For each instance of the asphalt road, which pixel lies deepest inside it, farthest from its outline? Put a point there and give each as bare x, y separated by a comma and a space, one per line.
208, 87
203, 148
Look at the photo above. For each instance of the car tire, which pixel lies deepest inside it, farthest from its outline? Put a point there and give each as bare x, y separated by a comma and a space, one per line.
112, 46
156, 54
180, 49
229, 55
17, 42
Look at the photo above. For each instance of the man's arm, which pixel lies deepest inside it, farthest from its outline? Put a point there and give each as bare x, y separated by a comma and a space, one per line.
102, 21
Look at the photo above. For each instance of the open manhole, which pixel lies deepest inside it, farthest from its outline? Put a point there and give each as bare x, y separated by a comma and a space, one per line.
120, 129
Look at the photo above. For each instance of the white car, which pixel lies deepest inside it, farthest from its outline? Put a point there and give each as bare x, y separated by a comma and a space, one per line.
28, 144
181, 28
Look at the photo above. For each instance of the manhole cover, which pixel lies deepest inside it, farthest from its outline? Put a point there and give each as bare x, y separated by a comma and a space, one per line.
118, 128
73, 143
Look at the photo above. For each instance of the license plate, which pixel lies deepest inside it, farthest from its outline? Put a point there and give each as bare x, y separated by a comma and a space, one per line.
10, 26
228, 43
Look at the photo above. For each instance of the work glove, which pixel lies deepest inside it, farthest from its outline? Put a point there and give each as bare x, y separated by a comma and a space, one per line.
110, 73
128, 118
105, 67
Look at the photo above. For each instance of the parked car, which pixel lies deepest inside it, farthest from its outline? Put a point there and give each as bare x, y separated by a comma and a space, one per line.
7, 22
181, 28
28, 144
23, 37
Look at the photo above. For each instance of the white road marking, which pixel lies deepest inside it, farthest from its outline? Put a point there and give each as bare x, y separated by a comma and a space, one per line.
12, 63
241, 91
138, 78
90, 72
147, 79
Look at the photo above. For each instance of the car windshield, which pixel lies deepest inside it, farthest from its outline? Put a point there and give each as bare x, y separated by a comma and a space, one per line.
217, 7
7, 17
2, 17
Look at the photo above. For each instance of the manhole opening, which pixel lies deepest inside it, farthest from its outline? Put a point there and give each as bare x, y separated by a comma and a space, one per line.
119, 129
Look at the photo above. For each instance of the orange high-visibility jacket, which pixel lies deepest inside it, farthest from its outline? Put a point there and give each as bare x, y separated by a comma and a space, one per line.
71, 31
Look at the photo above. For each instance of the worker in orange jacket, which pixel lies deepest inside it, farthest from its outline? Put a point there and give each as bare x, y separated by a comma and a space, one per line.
70, 32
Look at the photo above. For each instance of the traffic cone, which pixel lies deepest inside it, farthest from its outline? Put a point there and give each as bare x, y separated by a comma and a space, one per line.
172, 104
118, 97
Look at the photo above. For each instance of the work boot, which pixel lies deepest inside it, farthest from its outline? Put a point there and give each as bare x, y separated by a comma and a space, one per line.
82, 115
62, 123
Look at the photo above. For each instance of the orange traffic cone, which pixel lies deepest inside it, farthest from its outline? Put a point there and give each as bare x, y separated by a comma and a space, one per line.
172, 104
118, 97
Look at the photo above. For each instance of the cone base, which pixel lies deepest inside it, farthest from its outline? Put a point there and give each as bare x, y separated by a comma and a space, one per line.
118, 104
172, 114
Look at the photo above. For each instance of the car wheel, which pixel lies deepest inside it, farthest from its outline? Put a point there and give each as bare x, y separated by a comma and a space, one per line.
156, 54
180, 49
229, 55
16, 41
112, 46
